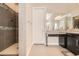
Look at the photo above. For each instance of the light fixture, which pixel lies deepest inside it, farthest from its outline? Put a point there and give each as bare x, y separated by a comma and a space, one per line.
58, 17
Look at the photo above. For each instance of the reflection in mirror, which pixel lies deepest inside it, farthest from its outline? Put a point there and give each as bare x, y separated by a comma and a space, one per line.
49, 22
61, 22
56, 26
76, 22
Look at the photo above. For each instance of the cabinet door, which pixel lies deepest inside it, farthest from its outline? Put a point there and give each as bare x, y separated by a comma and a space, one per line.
62, 41
70, 42
73, 43
76, 43
75, 49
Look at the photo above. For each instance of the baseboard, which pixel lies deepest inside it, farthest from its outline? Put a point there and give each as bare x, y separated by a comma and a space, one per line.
38, 44
45, 44
53, 44
28, 52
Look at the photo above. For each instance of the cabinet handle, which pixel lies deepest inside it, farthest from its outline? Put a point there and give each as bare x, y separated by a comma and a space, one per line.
76, 42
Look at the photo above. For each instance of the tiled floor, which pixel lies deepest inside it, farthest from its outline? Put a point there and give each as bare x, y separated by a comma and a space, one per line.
10, 51
42, 50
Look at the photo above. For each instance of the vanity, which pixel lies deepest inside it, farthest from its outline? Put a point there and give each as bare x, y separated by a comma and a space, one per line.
73, 42
68, 40
66, 28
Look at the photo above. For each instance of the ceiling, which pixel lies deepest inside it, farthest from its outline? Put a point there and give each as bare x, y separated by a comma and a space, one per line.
13, 6
59, 8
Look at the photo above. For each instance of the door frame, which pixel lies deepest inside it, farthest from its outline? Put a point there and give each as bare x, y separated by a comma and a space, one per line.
44, 22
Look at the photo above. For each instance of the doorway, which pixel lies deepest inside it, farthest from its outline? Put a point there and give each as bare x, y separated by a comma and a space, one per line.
39, 16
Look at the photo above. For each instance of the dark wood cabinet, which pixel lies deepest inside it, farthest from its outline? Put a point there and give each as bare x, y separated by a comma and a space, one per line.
70, 41
62, 40
73, 43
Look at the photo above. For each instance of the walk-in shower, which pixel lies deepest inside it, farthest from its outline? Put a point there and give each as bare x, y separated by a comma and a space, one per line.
8, 30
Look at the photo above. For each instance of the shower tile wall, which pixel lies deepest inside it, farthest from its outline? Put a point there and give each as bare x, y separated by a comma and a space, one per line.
7, 27
17, 28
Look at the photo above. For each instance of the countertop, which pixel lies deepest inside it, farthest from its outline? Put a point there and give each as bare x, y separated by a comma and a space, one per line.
56, 32
74, 31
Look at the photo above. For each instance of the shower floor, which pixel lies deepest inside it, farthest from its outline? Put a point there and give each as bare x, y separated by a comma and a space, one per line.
10, 51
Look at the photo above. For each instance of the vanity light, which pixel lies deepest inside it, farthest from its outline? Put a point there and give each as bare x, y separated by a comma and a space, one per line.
61, 16
58, 17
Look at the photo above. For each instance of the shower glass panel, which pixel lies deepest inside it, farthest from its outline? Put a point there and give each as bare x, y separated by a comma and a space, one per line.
8, 30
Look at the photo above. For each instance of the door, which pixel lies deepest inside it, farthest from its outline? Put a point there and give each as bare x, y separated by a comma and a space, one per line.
70, 42
38, 15
62, 41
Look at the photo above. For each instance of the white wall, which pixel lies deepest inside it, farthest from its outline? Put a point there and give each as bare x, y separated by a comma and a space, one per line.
29, 27
22, 30
25, 29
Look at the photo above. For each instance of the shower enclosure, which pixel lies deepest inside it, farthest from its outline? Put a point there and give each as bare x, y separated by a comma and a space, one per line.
8, 27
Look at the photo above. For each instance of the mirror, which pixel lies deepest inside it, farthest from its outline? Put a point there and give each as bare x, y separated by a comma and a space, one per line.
61, 22
49, 22
76, 22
